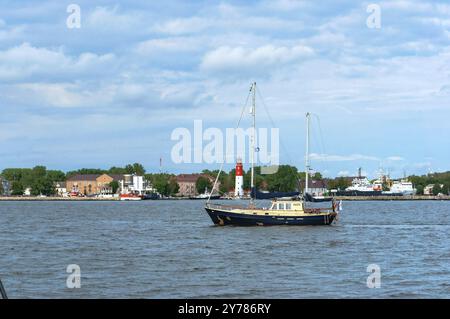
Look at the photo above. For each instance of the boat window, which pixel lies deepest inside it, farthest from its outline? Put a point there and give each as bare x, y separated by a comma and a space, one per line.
288, 206
274, 206
281, 206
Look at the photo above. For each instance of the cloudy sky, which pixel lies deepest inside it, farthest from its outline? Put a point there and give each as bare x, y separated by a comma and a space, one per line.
112, 91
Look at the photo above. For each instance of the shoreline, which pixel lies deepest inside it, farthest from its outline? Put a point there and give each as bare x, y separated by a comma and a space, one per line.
343, 198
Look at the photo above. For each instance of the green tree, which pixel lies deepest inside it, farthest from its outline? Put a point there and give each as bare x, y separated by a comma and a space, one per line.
284, 180
117, 170
165, 184
317, 176
135, 168
138, 169
43, 186
2, 190
445, 189
437, 189
84, 171
129, 169
17, 188
203, 183
339, 183
173, 187
56, 176
114, 186
419, 189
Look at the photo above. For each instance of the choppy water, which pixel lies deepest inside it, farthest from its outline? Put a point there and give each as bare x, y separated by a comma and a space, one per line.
169, 249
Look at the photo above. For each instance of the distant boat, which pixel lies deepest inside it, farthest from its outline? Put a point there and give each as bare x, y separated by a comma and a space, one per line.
401, 188
206, 195
282, 211
316, 199
130, 197
150, 196
268, 195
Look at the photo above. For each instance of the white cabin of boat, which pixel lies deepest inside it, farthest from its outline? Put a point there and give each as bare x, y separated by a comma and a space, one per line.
287, 204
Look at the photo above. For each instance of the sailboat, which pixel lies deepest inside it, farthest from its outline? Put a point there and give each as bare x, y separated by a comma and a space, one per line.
282, 211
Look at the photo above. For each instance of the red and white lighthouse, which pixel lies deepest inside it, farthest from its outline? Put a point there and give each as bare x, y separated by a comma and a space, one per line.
239, 183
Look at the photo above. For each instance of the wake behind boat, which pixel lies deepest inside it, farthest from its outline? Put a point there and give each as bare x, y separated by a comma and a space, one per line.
282, 211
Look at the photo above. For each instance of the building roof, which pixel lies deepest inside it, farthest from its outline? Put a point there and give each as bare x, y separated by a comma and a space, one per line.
116, 177
93, 177
191, 178
314, 184
83, 177
188, 178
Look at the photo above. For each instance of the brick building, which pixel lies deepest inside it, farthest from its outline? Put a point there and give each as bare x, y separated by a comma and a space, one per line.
91, 184
187, 184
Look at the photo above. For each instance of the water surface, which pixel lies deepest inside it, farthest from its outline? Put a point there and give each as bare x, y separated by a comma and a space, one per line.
169, 249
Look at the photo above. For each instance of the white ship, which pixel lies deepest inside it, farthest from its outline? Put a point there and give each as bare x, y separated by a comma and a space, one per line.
402, 187
361, 185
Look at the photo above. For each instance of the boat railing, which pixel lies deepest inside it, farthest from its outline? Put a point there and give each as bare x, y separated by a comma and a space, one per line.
221, 206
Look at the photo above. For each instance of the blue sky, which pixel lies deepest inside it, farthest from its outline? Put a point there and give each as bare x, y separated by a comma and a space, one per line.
112, 91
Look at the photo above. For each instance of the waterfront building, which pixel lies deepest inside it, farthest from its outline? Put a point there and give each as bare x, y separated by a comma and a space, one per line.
91, 184
315, 187
61, 189
187, 184
135, 184
428, 190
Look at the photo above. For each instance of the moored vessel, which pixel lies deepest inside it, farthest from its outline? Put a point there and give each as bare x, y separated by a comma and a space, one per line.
206, 195
130, 196
282, 211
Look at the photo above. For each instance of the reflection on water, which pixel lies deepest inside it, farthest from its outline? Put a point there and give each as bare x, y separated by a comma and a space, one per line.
159, 249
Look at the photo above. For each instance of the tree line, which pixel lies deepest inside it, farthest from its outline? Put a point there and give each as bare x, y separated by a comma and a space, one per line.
286, 178
441, 182
41, 181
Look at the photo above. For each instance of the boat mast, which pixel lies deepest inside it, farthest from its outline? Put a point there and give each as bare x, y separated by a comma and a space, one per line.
252, 159
307, 154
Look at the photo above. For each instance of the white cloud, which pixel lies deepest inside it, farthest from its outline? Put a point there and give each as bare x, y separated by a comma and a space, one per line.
241, 59
395, 158
23, 61
182, 26
113, 19
157, 47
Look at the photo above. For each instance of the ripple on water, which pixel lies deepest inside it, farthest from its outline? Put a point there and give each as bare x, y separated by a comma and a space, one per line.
161, 249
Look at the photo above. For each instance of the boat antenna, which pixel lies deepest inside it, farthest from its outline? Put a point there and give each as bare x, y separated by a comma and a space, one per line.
307, 154
252, 159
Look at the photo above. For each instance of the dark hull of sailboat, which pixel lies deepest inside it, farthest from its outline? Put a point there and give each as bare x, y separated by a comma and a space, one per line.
223, 218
